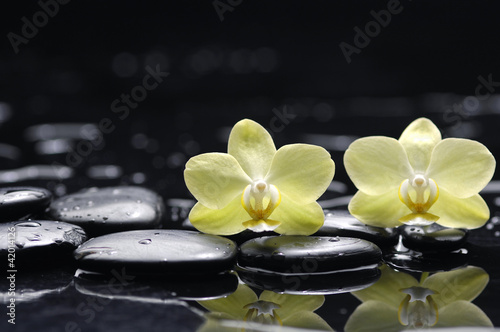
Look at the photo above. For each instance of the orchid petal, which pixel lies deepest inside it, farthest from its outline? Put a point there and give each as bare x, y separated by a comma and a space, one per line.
292, 304
226, 221
377, 164
232, 304
380, 210
253, 148
374, 316
419, 139
462, 284
302, 171
307, 320
298, 219
471, 212
461, 166
215, 179
462, 313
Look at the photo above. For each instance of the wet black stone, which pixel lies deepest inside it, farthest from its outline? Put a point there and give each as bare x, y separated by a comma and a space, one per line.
342, 223
433, 238
319, 283
155, 289
307, 254
38, 242
416, 261
111, 209
18, 202
161, 251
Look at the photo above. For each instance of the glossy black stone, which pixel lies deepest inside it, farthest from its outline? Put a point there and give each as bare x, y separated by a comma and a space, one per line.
111, 209
18, 202
433, 238
415, 261
342, 223
307, 254
155, 289
38, 242
161, 251
319, 283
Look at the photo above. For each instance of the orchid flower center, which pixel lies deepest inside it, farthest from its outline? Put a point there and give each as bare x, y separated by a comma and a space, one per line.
263, 312
418, 309
419, 194
260, 199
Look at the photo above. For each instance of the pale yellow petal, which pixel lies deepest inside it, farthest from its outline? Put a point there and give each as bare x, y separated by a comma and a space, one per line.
381, 210
374, 316
462, 313
462, 284
419, 139
291, 304
214, 179
461, 166
456, 212
387, 288
253, 148
233, 304
226, 221
377, 164
298, 219
302, 171
307, 320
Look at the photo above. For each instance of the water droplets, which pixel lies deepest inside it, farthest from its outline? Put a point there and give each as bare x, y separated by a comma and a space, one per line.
145, 241
29, 224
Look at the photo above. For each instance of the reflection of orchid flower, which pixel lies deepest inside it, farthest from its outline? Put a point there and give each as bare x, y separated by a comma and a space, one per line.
441, 300
269, 309
419, 179
256, 187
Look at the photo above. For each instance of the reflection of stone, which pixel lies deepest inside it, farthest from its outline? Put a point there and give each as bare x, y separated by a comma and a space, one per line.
398, 300
310, 283
433, 238
160, 289
32, 286
244, 310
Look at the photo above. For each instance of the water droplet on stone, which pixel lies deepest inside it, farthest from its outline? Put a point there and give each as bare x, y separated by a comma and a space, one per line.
19, 244
28, 224
104, 218
76, 207
145, 241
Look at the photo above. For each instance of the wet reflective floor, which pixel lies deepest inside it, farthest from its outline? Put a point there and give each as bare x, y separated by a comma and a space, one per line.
151, 152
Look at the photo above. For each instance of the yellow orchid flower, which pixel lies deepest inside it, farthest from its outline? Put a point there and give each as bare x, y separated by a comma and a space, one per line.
255, 187
244, 309
419, 179
398, 301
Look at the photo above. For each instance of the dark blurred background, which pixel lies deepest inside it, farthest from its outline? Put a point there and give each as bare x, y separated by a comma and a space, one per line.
280, 63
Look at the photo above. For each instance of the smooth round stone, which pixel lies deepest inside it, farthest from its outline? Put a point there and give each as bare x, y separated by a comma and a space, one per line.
413, 261
319, 283
155, 289
111, 209
158, 251
17, 202
433, 238
307, 254
36, 242
342, 223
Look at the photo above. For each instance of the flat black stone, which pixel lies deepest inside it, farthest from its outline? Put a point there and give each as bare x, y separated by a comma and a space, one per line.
342, 223
319, 283
161, 251
414, 261
307, 254
155, 289
433, 238
17, 202
111, 209
38, 242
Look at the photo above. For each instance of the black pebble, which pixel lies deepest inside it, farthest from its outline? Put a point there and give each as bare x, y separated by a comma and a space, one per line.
38, 242
308, 254
433, 238
159, 251
18, 202
342, 223
111, 209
